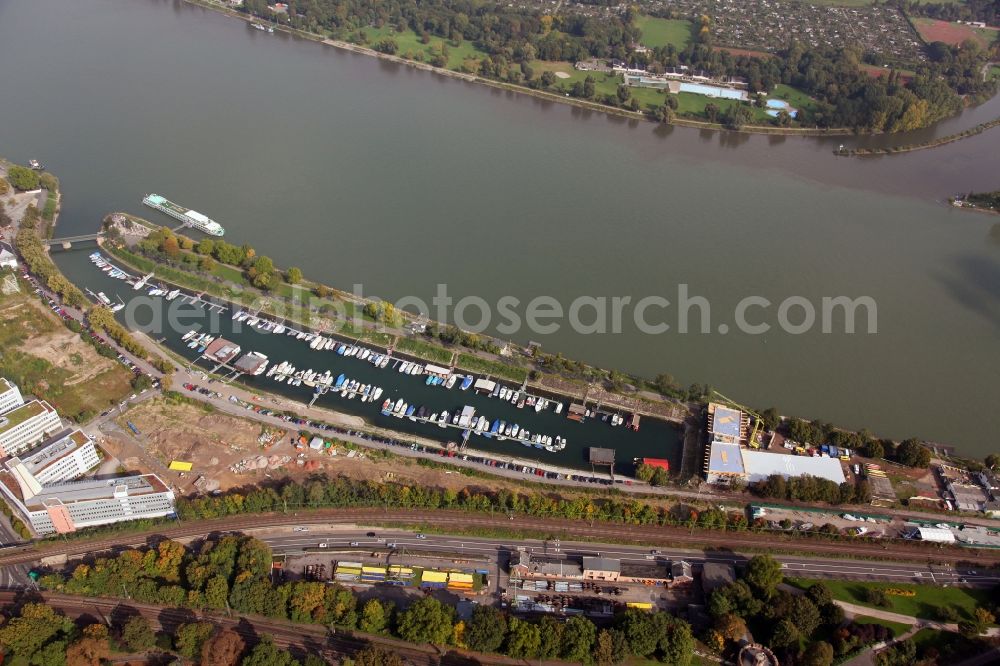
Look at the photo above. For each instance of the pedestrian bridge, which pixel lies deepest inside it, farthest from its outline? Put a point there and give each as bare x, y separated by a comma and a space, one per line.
67, 241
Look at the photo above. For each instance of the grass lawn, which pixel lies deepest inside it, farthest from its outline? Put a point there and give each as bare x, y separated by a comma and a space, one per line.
412, 48
924, 603
793, 96
995, 72
425, 350
898, 628
494, 368
661, 31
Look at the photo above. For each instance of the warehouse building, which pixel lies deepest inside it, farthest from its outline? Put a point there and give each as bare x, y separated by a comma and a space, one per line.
726, 461
935, 534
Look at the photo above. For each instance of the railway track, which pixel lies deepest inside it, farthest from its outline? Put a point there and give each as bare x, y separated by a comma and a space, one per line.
568, 529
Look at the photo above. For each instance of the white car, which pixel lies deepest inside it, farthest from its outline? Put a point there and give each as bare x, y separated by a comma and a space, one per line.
421, 536
324, 545
300, 529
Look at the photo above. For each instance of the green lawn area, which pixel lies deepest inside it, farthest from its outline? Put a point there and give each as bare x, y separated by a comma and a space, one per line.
995, 72
793, 96
425, 350
924, 603
688, 104
898, 628
493, 368
661, 31
412, 48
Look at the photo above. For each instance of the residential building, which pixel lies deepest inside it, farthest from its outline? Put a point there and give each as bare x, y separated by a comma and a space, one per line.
680, 573
10, 396
70, 506
27, 425
66, 456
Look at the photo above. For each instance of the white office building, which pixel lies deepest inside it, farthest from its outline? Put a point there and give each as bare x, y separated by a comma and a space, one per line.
10, 396
65, 457
70, 506
27, 425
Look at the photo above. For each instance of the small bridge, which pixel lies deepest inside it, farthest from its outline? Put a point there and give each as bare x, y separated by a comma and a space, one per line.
67, 242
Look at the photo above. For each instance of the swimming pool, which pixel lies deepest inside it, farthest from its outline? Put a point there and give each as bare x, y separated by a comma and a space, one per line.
776, 105
713, 91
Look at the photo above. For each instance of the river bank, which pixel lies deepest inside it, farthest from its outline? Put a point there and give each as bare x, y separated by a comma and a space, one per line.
932, 143
531, 92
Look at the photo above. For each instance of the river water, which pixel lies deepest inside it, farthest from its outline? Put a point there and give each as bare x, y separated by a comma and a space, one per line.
357, 170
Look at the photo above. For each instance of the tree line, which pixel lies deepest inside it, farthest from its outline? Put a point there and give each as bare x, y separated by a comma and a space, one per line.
37, 635
512, 38
234, 572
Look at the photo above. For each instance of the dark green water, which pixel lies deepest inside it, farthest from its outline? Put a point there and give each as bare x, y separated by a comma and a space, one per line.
361, 171
654, 438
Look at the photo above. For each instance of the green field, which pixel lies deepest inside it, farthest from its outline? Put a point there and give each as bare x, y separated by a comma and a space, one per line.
898, 628
995, 72
661, 32
793, 96
923, 604
412, 48
425, 350
493, 368
688, 104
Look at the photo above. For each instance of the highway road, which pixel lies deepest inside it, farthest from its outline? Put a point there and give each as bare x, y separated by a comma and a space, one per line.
340, 540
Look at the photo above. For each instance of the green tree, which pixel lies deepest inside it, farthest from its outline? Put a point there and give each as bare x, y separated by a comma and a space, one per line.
819, 653
51, 654
22, 178
426, 621
770, 418
578, 639
639, 631
189, 638
644, 472
293, 275
763, 574
374, 617
675, 639
523, 640
266, 653
912, 453
24, 634
785, 634
486, 631
137, 635
376, 656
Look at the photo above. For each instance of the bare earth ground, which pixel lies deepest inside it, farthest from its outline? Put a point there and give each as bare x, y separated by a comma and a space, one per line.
214, 442
79, 378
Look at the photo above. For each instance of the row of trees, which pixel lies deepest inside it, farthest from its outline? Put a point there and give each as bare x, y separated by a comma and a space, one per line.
39, 636
23, 178
232, 572
344, 492
512, 38
164, 246
807, 488
29, 245
910, 452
